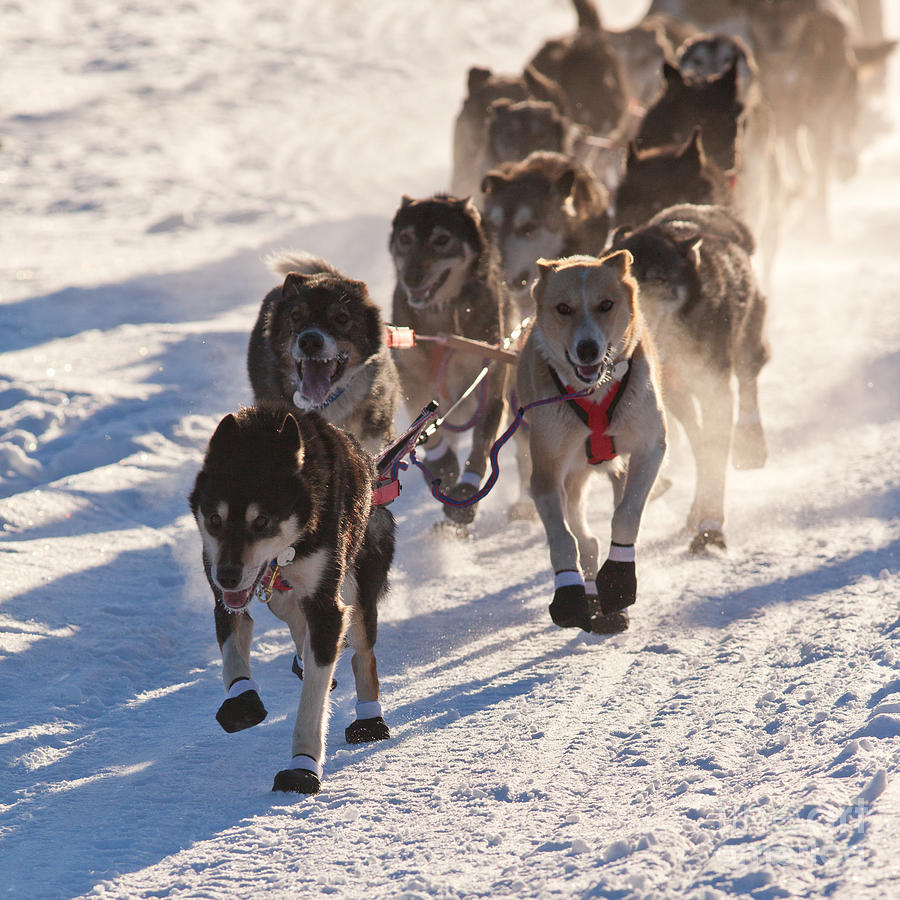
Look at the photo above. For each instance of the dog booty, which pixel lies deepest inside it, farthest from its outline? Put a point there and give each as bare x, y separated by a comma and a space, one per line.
444, 469
364, 731
240, 712
297, 781
570, 607
616, 586
461, 515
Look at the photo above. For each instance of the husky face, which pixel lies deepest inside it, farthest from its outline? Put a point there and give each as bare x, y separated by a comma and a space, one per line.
516, 129
708, 56
247, 516
434, 243
585, 310
324, 327
529, 211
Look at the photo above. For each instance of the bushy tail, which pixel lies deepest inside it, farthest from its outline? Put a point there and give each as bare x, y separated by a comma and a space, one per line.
588, 15
716, 221
305, 263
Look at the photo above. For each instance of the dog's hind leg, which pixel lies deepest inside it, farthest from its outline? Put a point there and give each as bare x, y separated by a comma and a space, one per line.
717, 414
242, 707
749, 443
371, 567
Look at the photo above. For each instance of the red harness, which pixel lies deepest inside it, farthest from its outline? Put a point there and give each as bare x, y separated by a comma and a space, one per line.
599, 446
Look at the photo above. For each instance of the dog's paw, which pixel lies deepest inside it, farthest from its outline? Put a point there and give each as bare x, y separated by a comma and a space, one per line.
297, 781
710, 539
243, 711
748, 449
444, 469
461, 515
570, 607
609, 623
616, 586
297, 669
364, 731
522, 510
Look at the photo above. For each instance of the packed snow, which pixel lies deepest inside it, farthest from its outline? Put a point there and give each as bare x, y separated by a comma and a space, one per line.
741, 739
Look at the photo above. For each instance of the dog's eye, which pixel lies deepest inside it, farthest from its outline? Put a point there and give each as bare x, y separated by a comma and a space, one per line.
605, 305
214, 521
564, 309
260, 522
341, 318
296, 316
527, 229
404, 240
440, 240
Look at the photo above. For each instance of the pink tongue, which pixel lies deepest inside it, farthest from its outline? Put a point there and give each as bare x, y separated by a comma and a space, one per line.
317, 380
588, 371
235, 599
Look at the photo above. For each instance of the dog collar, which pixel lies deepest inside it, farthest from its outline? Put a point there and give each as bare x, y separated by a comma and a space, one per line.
599, 446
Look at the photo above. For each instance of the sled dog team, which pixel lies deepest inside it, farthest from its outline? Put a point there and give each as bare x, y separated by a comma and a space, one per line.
623, 238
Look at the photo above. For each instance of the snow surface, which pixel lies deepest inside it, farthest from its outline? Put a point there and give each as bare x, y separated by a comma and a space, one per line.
742, 739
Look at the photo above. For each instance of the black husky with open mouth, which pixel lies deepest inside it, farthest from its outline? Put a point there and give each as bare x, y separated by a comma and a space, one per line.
318, 344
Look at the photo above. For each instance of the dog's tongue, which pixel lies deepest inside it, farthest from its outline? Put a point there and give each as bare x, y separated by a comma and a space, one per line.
235, 599
317, 380
588, 372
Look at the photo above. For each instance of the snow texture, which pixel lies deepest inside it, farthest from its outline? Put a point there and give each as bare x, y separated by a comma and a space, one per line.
741, 739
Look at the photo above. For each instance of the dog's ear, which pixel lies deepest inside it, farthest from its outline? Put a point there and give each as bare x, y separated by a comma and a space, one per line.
545, 268
467, 205
292, 284
673, 76
727, 81
565, 182
289, 437
491, 182
620, 234
633, 156
405, 201
869, 55
690, 249
478, 76
225, 432
620, 262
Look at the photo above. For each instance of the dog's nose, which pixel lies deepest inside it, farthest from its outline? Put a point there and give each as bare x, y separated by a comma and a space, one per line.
587, 351
310, 343
413, 276
229, 577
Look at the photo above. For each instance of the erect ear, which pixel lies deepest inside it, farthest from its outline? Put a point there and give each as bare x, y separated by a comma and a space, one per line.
477, 77
728, 79
545, 268
690, 249
225, 432
406, 201
672, 75
293, 283
491, 182
289, 437
565, 182
620, 234
632, 154
620, 262
467, 204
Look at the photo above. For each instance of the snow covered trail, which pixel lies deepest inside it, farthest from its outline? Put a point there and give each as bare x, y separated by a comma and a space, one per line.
741, 739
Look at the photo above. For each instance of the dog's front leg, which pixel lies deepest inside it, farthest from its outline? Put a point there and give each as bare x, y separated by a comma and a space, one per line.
570, 607
242, 707
616, 581
325, 630
483, 436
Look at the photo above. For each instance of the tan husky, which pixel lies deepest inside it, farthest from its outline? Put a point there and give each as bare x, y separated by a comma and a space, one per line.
589, 333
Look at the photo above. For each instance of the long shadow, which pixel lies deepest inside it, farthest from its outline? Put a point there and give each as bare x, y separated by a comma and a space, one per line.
120, 762
188, 296
720, 611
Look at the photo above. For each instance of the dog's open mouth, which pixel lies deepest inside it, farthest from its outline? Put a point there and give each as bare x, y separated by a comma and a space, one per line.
238, 601
587, 374
423, 297
318, 376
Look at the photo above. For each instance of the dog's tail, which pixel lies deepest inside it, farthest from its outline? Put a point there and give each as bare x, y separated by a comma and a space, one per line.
588, 15
715, 221
285, 262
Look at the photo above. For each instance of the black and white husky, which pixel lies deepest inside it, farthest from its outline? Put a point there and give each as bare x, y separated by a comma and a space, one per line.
287, 487
318, 343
